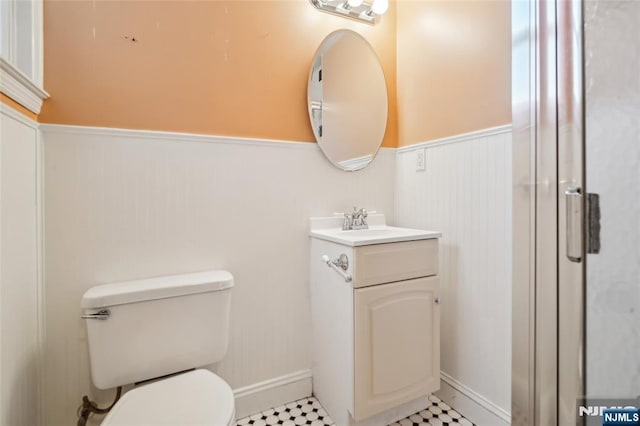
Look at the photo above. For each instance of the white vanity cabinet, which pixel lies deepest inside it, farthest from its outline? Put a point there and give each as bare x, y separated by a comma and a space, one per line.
376, 352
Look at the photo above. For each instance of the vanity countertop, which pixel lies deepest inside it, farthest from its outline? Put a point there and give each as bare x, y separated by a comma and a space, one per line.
329, 229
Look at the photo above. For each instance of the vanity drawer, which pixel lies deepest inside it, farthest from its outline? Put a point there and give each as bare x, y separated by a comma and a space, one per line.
385, 263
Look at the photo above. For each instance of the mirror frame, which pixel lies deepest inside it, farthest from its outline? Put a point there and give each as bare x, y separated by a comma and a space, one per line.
313, 107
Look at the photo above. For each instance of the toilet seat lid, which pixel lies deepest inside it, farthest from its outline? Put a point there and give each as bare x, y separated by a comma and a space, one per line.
198, 397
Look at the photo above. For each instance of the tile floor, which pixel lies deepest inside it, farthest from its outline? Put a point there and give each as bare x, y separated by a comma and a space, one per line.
308, 411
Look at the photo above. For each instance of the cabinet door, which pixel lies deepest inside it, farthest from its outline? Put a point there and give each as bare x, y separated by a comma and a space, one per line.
397, 344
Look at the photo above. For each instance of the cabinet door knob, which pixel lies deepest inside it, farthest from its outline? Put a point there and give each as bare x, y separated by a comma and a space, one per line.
437, 300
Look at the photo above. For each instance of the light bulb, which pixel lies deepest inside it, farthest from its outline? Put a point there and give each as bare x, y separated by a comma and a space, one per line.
380, 6
355, 3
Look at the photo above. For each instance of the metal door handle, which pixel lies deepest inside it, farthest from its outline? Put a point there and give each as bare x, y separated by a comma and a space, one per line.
100, 315
573, 199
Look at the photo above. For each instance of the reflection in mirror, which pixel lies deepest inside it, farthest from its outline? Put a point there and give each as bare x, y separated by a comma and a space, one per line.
347, 100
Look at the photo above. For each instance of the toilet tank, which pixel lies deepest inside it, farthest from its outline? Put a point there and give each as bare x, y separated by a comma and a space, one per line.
156, 326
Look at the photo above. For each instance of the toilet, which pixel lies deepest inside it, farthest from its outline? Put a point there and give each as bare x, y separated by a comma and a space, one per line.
161, 331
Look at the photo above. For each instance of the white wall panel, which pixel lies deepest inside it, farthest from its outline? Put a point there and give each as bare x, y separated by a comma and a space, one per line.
465, 192
19, 271
122, 205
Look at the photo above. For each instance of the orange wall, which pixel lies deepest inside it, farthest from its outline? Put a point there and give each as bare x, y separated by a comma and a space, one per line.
4, 99
216, 67
453, 67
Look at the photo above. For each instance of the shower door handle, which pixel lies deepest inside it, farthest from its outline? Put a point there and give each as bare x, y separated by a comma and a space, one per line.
573, 198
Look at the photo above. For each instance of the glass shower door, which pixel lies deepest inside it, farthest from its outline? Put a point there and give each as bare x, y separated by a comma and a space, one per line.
612, 171
598, 147
576, 257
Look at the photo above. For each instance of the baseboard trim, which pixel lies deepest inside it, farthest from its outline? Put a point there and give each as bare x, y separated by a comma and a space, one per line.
471, 404
478, 134
272, 393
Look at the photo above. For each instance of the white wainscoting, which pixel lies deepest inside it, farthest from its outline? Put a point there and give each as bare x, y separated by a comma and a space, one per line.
20, 274
465, 192
125, 204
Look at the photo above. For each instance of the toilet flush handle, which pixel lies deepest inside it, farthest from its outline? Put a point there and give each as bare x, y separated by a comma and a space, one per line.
100, 315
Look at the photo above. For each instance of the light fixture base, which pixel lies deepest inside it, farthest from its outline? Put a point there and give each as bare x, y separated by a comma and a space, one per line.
361, 13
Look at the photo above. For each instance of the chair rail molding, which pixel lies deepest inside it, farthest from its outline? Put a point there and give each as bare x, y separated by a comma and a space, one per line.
15, 84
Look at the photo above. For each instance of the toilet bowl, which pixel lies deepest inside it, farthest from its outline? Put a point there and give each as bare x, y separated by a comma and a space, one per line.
198, 397
156, 329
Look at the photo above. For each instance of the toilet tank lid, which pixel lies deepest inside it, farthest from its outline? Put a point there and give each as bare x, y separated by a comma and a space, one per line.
120, 293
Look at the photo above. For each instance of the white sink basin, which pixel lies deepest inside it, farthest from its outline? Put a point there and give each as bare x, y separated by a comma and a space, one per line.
376, 234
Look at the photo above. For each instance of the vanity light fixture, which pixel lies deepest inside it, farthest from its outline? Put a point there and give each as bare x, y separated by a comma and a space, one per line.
359, 10
379, 7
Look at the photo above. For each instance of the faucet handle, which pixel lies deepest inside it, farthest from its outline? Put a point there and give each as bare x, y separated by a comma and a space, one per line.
348, 220
363, 220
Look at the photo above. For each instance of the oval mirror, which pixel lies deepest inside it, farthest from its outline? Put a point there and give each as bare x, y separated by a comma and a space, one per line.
347, 100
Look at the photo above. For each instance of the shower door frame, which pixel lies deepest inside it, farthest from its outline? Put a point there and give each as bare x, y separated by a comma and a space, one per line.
548, 145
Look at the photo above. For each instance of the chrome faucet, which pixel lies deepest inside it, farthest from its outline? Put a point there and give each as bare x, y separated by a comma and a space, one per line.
355, 220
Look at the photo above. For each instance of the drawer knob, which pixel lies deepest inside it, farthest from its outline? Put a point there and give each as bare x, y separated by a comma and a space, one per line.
437, 300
